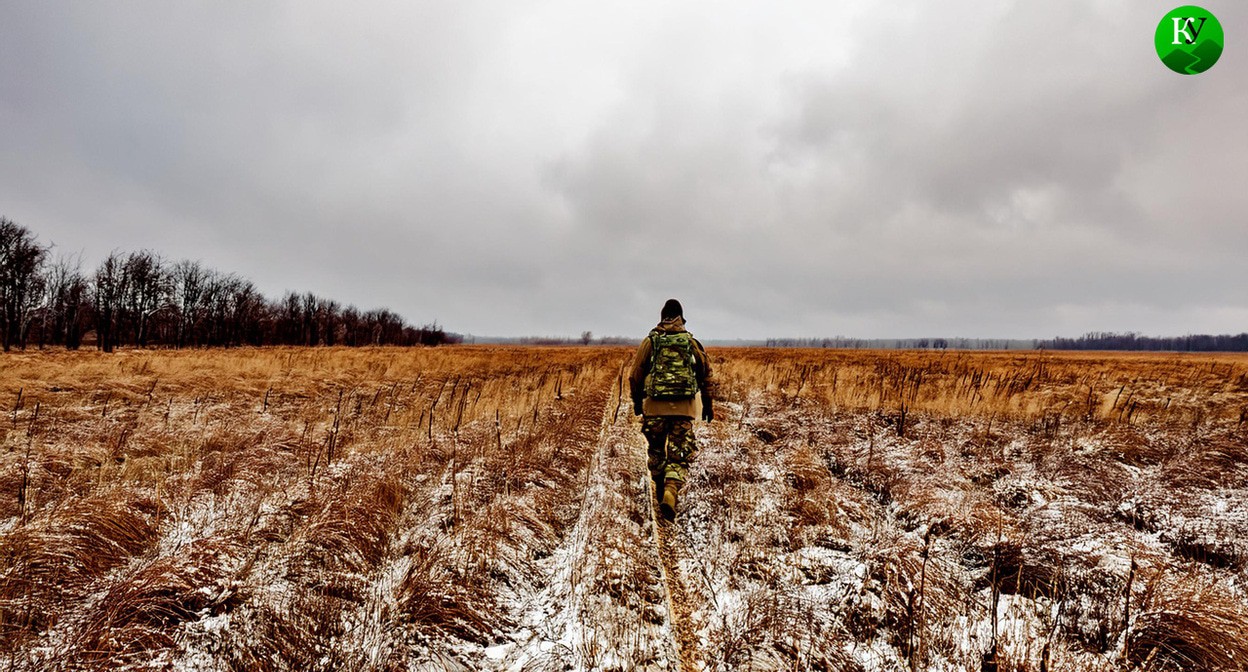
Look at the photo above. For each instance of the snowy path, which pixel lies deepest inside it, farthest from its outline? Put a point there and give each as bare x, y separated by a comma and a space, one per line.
605, 606
677, 601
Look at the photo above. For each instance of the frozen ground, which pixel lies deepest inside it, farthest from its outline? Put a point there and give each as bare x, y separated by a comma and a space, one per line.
486, 510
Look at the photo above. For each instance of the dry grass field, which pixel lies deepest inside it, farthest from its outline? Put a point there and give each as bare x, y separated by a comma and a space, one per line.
487, 508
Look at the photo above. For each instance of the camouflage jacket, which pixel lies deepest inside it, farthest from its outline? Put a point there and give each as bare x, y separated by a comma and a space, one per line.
689, 408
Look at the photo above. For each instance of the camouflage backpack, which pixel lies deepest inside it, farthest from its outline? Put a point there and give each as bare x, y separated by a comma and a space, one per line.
672, 364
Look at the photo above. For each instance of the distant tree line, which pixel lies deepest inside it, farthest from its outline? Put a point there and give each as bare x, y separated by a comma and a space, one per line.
900, 343
1134, 341
1089, 341
140, 299
587, 338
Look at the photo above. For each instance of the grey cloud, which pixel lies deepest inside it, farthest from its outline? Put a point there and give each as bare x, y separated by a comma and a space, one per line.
1019, 169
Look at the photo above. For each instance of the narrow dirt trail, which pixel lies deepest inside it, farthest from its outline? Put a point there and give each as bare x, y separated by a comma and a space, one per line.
664, 544
603, 606
679, 610
616, 596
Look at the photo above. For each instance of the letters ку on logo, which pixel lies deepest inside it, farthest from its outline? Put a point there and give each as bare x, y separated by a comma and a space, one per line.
1189, 40
1188, 29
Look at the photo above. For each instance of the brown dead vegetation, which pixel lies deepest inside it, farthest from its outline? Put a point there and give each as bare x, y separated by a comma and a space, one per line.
329, 505
316, 509
986, 511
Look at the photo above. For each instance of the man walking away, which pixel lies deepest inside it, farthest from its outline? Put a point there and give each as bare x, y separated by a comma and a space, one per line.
670, 385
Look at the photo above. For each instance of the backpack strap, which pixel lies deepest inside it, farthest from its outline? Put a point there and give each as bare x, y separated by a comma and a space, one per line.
654, 346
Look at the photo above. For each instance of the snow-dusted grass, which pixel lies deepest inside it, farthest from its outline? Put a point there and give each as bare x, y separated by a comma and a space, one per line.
861, 536
488, 508
295, 510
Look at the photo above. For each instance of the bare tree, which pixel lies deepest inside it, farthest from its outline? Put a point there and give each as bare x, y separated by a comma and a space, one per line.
108, 290
351, 326
245, 306
188, 280
147, 291
219, 307
68, 303
307, 318
327, 317
21, 281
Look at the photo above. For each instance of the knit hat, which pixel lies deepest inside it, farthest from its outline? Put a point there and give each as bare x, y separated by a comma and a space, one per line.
672, 309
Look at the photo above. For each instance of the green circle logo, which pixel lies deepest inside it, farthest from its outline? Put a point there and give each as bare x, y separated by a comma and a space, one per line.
1189, 40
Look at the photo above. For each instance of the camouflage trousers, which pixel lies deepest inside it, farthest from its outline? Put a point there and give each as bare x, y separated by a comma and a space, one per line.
672, 445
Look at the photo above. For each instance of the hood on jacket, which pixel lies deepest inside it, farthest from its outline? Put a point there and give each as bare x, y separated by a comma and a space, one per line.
672, 325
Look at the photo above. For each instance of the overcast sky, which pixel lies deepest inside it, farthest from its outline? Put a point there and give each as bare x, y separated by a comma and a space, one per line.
869, 169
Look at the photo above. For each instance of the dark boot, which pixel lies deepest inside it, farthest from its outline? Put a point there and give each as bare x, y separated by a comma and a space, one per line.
668, 508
